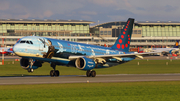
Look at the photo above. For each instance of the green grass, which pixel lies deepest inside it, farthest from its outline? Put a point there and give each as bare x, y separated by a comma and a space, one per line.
132, 91
144, 67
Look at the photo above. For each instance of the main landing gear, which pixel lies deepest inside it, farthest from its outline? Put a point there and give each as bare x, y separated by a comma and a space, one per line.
54, 72
90, 73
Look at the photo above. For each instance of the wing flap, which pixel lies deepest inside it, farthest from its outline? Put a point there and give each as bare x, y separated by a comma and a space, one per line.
140, 57
117, 56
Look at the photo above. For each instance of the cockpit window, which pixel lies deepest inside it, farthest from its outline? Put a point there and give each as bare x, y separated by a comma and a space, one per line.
28, 42
31, 42
22, 41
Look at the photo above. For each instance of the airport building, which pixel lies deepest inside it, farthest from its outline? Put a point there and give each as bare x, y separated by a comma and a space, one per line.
12, 29
145, 34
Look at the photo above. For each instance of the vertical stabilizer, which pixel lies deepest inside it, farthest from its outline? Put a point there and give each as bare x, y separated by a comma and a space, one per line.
176, 44
123, 41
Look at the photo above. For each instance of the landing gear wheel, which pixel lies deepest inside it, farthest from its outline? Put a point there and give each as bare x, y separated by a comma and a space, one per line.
88, 73
52, 73
93, 73
30, 70
56, 73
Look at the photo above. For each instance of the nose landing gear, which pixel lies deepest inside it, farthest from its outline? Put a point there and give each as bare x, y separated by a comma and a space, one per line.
30, 70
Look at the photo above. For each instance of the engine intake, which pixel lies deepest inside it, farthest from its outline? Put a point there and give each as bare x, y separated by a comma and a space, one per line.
84, 63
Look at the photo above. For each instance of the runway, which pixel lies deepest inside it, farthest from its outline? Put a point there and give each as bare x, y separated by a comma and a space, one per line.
84, 79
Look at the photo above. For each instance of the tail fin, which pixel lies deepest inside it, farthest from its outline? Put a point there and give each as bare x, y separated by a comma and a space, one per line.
176, 44
123, 41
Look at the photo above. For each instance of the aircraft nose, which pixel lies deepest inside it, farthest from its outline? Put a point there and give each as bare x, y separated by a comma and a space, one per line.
16, 48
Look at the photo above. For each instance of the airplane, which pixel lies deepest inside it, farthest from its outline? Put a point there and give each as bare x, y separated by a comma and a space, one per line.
166, 51
6, 50
36, 50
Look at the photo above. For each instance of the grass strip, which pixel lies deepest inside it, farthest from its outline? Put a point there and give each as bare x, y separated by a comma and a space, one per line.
131, 91
132, 67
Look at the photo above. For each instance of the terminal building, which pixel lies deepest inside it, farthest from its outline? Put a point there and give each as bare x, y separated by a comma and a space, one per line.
12, 29
145, 34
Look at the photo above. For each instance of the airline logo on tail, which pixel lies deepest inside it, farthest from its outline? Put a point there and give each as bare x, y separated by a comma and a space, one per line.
176, 44
123, 41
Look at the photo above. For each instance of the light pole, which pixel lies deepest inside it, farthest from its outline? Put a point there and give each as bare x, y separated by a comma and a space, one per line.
3, 51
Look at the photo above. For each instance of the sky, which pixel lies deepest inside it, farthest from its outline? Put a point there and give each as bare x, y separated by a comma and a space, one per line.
98, 11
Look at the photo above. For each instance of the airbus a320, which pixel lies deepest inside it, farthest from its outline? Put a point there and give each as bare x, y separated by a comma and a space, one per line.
36, 50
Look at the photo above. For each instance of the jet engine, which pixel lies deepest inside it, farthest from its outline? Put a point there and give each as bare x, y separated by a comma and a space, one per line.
30, 63
84, 63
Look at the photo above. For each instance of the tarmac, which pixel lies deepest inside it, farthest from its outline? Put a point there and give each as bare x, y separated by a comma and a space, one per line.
84, 79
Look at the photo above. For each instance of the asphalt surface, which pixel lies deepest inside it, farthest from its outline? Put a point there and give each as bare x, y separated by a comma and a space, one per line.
84, 79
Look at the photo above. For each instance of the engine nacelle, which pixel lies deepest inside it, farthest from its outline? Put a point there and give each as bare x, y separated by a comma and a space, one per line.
25, 64
84, 63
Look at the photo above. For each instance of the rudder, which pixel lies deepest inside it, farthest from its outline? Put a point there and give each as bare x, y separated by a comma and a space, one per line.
123, 41
176, 44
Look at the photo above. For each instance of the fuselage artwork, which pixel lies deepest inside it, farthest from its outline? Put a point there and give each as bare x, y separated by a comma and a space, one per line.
36, 50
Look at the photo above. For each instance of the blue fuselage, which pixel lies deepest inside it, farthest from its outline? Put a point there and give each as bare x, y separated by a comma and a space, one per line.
54, 50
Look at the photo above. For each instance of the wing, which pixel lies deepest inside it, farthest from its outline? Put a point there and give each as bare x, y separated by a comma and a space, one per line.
116, 56
10, 50
166, 50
